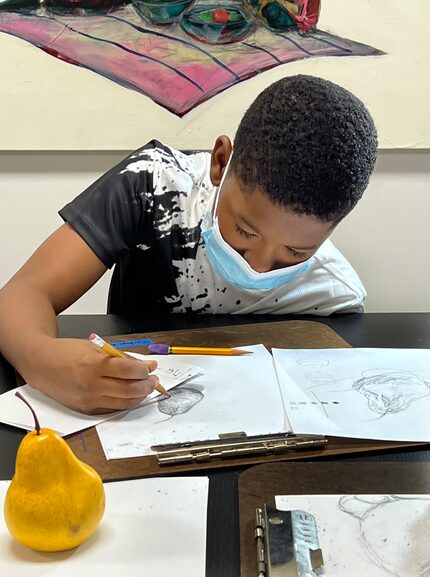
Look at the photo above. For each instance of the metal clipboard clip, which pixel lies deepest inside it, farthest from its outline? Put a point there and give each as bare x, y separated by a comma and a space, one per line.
235, 445
287, 543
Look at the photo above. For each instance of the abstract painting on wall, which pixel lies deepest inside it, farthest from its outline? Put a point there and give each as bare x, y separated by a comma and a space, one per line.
178, 52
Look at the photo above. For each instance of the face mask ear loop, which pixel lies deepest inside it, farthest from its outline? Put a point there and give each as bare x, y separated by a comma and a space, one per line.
218, 191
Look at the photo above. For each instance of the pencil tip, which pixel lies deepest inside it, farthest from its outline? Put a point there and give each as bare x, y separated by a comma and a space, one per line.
241, 352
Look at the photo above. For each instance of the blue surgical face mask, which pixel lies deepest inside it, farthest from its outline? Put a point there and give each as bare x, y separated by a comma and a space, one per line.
231, 266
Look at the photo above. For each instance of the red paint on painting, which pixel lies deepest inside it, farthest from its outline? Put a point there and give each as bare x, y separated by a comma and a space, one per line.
220, 16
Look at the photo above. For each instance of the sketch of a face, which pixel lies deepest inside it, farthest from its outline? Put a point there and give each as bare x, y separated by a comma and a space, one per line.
181, 400
400, 548
391, 392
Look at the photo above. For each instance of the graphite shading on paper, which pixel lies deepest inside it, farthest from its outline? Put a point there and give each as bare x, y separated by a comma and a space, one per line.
381, 536
141, 515
364, 393
234, 394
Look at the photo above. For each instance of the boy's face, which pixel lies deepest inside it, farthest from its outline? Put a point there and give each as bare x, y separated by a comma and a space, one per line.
267, 235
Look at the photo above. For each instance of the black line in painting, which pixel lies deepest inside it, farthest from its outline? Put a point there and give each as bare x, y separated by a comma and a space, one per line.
174, 39
129, 50
296, 44
275, 58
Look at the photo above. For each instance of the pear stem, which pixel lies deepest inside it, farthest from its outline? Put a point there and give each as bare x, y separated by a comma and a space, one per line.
36, 420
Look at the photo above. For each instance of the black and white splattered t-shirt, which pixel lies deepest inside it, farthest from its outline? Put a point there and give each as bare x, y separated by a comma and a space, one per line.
145, 215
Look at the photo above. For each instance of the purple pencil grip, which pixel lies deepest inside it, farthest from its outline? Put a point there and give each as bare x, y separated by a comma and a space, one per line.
159, 349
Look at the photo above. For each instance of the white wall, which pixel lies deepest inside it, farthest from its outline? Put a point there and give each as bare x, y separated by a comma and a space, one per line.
387, 237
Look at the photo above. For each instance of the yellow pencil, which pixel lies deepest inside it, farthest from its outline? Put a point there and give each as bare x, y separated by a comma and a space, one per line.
113, 352
167, 350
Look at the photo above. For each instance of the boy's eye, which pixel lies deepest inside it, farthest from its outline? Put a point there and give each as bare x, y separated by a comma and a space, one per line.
296, 253
244, 233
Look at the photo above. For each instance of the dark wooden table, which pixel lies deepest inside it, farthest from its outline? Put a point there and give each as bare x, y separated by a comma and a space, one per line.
408, 330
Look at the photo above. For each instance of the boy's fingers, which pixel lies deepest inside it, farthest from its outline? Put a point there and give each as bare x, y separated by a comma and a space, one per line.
152, 365
131, 369
127, 390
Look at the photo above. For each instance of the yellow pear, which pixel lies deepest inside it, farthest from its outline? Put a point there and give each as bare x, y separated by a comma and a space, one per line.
54, 501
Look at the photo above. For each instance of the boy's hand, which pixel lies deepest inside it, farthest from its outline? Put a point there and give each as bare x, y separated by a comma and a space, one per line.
82, 377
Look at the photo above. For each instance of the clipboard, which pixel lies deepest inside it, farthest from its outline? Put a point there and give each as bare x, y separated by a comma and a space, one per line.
287, 543
282, 334
259, 485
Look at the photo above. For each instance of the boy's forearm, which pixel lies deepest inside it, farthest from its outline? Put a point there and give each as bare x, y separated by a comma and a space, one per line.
27, 322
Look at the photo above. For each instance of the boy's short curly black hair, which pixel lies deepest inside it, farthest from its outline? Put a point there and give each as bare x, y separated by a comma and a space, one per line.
309, 144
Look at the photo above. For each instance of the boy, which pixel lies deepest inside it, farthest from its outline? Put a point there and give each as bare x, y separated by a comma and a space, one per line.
244, 230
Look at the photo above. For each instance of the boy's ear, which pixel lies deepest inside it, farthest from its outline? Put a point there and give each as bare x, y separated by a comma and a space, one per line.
220, 154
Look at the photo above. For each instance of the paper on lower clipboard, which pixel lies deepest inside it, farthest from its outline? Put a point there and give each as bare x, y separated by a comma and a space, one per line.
52, 415
381, 535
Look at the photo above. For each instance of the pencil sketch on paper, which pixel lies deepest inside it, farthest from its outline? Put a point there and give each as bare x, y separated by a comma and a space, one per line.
369, 393
315, 369
181, 400
382, 541
314, 362
387, 391
391, 392
175, 372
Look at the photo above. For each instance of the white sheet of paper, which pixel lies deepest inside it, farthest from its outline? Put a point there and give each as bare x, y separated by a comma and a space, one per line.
52, 415
235, 394
381, 535
150, 527
364, 393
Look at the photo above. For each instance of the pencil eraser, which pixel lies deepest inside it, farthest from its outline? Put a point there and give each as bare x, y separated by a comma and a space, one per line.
159, 349
92, 336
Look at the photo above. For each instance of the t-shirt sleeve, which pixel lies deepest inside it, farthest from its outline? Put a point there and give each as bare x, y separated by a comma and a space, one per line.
339, 297
337, 288
110, 215
348, 303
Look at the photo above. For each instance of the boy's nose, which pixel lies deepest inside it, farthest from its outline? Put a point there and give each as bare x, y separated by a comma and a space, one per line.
259, 262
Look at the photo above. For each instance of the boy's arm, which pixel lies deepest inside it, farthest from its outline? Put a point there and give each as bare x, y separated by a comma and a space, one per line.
71, 371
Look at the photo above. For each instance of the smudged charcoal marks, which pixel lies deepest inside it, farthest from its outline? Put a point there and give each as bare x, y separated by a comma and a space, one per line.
181, 400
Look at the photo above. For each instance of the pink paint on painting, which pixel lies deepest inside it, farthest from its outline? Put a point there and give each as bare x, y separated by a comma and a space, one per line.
165, 63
